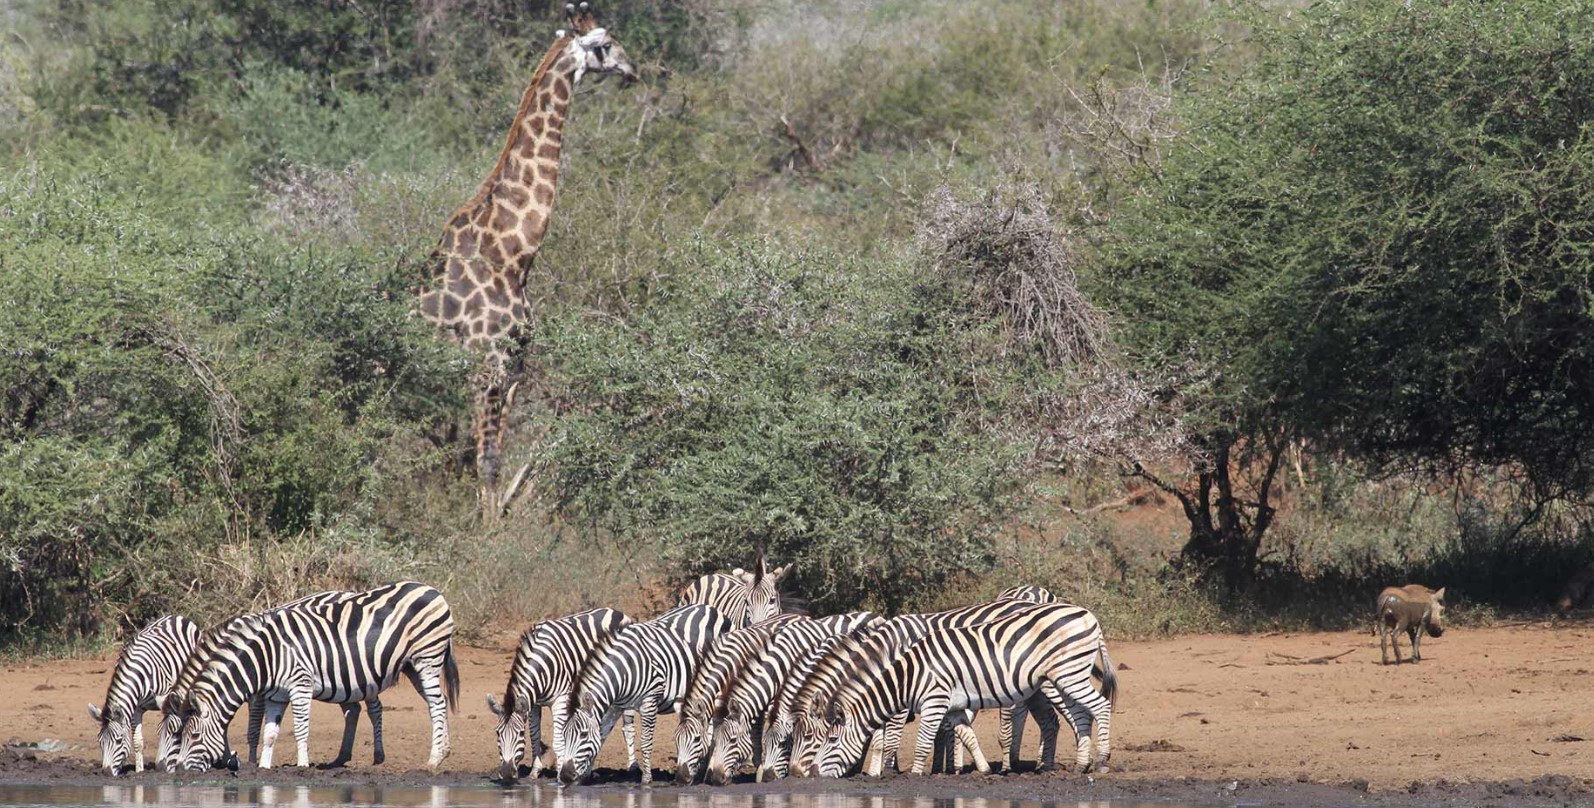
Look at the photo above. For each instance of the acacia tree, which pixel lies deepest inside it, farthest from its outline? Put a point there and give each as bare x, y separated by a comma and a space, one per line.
1375, 236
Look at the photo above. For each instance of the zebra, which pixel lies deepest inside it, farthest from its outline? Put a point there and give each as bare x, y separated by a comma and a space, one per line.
743, 597
145, 672
991, 664
711, 684
750, 697
894, 636
342, 652
644, 667
169, 745
547, 661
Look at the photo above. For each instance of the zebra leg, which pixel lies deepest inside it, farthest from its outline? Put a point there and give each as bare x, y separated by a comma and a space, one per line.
1011, 721
1005, 729
877, 747
427, 677
257, 708
1079, 718
351, 719
892, 737
1045, 718
1101, 715
561, 746
300, 702
273, 725
957, 748
931, 715
138, 740
373, 710
966, 737
648, 716
537, 747
628, 729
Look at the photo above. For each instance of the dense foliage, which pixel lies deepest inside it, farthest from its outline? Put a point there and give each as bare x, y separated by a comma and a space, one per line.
824, 409
1375, 238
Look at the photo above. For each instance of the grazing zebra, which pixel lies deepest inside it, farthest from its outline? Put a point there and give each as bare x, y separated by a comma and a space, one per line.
145, 672
711, 684
750, 697
169, 747
992, 664
548, 660
894, 637
342, 652
644, 667
743, 597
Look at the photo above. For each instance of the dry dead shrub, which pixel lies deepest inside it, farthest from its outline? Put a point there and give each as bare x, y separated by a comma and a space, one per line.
1018, 267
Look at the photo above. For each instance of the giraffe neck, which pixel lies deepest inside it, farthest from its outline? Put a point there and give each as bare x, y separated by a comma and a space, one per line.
512, 207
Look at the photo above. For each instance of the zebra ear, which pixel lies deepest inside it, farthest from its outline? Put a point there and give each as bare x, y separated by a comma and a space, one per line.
492, 704
94, 713
780, 573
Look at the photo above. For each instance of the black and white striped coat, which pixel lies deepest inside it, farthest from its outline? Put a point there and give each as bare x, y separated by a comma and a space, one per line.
169, 747
547, 662
343, 651
710, 685
1010, 720
644, 667
891, 639
751, 696
993, 664
145, 673
744, 597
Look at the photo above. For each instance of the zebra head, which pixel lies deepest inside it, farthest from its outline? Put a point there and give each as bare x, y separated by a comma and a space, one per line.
511, 733
843, 745
584, 733
204, 738
808, 735
116, 737
733, 734
776, 735
690, 747
168, 745
763, 595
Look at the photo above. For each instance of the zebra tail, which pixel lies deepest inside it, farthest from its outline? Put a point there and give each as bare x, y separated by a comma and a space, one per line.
451, 678
1109, 675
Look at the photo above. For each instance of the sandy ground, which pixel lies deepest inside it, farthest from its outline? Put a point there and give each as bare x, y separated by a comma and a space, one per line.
1504, 712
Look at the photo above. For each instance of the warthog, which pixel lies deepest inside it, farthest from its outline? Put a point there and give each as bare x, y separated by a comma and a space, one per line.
1413, 609
1578, 591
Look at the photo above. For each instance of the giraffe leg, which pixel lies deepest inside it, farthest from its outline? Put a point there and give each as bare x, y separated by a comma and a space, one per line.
489, 415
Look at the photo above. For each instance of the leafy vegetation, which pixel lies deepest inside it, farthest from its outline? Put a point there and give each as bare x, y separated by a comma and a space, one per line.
877, 288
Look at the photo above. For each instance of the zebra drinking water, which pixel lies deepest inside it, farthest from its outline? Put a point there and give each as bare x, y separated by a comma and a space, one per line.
992, 664
344, 651
548, 660
644, 667
145, 672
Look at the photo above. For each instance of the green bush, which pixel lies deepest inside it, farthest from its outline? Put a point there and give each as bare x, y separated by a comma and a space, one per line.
813, 406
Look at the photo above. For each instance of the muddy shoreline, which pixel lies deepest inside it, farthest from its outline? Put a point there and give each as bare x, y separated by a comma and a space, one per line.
1545, 790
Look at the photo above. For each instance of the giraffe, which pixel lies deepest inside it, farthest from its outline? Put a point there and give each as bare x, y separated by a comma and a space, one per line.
477, 275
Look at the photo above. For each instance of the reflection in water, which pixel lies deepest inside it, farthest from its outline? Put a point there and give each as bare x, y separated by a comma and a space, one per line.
533, 796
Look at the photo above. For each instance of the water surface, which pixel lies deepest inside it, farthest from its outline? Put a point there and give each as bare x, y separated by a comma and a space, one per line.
533, 796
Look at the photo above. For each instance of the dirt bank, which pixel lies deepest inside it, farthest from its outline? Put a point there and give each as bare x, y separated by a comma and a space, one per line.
1492, 716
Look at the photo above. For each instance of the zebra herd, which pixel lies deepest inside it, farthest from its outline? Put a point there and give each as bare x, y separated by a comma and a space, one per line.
786, 693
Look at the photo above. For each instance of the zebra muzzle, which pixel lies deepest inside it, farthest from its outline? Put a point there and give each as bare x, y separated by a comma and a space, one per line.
508, 772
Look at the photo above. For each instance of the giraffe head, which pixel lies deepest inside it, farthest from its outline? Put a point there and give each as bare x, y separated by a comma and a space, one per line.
593, 48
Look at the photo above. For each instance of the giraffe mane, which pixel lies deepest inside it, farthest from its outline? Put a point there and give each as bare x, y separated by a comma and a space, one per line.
526, 99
